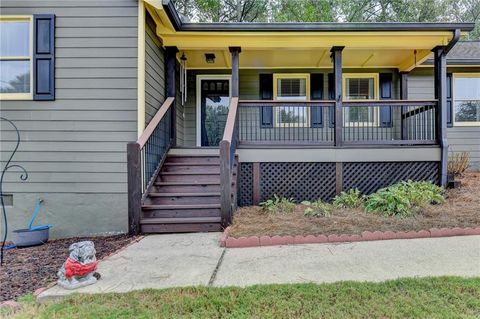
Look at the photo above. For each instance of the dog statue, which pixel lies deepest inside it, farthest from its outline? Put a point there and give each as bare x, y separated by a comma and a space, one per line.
79, 268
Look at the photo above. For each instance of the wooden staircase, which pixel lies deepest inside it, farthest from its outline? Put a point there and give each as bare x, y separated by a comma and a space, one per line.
185, 196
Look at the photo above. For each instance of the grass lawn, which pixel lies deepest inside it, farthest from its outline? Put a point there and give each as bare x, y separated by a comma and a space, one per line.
443, 297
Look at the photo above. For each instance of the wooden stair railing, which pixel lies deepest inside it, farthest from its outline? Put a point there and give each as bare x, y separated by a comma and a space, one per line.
228, 146
145, 158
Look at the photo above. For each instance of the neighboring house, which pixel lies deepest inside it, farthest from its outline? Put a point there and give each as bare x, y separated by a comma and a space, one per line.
224, 114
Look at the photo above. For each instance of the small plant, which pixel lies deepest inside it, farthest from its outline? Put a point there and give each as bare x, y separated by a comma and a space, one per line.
350, 199
404, 199
317, 209
278, 205
458, 163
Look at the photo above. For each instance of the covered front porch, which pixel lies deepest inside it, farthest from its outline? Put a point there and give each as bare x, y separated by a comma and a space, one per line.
306, 115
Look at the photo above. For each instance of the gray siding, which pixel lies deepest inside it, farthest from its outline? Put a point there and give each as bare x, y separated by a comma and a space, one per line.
75, 147
249, 90
460, 138
154, 71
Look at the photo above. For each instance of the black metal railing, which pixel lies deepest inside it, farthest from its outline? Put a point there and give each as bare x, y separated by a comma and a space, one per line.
145, 158
389, 122
286, 122
313, 122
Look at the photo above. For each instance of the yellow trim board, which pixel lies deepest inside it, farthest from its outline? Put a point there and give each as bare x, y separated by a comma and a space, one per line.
141, 69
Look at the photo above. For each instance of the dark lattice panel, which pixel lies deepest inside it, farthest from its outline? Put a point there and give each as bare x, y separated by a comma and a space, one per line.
298, 180
245, 185
371, 176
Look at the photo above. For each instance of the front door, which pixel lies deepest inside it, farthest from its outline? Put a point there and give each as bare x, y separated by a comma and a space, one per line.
214, 104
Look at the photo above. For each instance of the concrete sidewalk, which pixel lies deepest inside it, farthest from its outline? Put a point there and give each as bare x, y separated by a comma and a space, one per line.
162, 261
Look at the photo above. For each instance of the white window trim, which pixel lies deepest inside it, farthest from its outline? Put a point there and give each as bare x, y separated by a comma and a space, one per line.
454, 113
201, 77
20, 96
276, 113
376, 94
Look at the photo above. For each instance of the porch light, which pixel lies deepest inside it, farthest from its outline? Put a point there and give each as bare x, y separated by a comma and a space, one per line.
210, 57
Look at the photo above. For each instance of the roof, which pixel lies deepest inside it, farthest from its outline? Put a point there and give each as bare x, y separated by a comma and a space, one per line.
180, 25
463, 53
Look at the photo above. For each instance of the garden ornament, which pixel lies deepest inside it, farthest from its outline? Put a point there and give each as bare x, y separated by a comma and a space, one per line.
79, 268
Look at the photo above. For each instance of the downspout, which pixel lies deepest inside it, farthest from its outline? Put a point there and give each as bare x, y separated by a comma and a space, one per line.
442, 103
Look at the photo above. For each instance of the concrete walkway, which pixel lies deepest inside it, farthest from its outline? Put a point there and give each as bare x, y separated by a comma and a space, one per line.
162, 261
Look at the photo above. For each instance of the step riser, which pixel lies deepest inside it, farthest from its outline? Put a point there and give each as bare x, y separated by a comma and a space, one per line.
198, 160
190, 178
181, 228
187, 189
175, 213
178, 200
191, 169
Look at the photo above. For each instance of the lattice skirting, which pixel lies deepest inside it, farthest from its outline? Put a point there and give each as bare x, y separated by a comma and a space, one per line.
369, 177
312, 180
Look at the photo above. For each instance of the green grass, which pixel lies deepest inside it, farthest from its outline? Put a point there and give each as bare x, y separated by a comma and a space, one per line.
443, 297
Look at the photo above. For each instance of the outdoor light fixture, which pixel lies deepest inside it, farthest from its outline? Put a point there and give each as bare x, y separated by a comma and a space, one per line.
210, 57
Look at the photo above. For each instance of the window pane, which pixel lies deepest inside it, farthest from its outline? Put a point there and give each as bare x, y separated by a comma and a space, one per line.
467, 88
292, 115
360, 89
14, 38
360, 114
467, 111
291, 88
14, 76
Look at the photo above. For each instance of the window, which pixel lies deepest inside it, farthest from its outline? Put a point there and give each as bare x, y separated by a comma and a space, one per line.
291, 87
467, 99
16, 58
360, 87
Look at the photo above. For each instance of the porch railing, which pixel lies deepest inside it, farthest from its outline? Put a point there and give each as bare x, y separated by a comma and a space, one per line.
386, 122
389, 122
145, 158
228, 146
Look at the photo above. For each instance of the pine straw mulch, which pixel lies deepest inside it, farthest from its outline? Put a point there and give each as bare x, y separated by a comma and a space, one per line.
461, 209
27, 269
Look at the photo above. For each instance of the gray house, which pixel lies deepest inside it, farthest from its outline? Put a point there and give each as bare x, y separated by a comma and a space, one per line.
219, 115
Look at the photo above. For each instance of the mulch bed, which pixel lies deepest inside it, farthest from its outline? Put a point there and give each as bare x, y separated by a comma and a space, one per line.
461, 209
27, 269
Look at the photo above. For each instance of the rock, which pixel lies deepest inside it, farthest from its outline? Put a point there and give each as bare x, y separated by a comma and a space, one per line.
10, 304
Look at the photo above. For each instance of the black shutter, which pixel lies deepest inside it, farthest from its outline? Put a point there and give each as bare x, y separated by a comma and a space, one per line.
331, 96
386, 94
316, 93
266, 93
449, 101
44, 57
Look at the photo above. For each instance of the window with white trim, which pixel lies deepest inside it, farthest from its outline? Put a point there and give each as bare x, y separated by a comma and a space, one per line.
360, 87
466, 101
16, 57
291, 87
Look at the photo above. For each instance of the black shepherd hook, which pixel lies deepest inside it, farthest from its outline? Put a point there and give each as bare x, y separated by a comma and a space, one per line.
23, 177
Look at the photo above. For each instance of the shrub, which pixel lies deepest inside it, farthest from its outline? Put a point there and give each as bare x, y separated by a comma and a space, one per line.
317, 209
350, 199
458, 163
404, 199
278, 205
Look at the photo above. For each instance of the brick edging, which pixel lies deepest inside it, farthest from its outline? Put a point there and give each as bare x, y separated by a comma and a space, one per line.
255, 241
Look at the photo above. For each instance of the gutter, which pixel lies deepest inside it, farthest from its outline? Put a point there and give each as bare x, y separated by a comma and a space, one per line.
179, 25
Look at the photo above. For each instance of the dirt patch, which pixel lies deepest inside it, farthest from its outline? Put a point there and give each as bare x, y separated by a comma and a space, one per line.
461, 209
27, 269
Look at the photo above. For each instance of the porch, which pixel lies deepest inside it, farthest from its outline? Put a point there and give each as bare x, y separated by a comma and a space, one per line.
250, 115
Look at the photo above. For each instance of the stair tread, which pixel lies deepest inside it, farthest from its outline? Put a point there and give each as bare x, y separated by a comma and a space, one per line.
180, 220
193, 155
200, 194
191, 164
194, 206
185, 183
190, 173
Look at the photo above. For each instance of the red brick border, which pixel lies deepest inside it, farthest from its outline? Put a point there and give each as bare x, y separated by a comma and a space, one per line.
255, 241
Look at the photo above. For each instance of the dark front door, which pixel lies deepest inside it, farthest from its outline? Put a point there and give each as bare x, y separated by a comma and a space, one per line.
215, 101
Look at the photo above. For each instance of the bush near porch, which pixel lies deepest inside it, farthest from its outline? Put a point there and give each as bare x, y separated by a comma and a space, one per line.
460, 209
